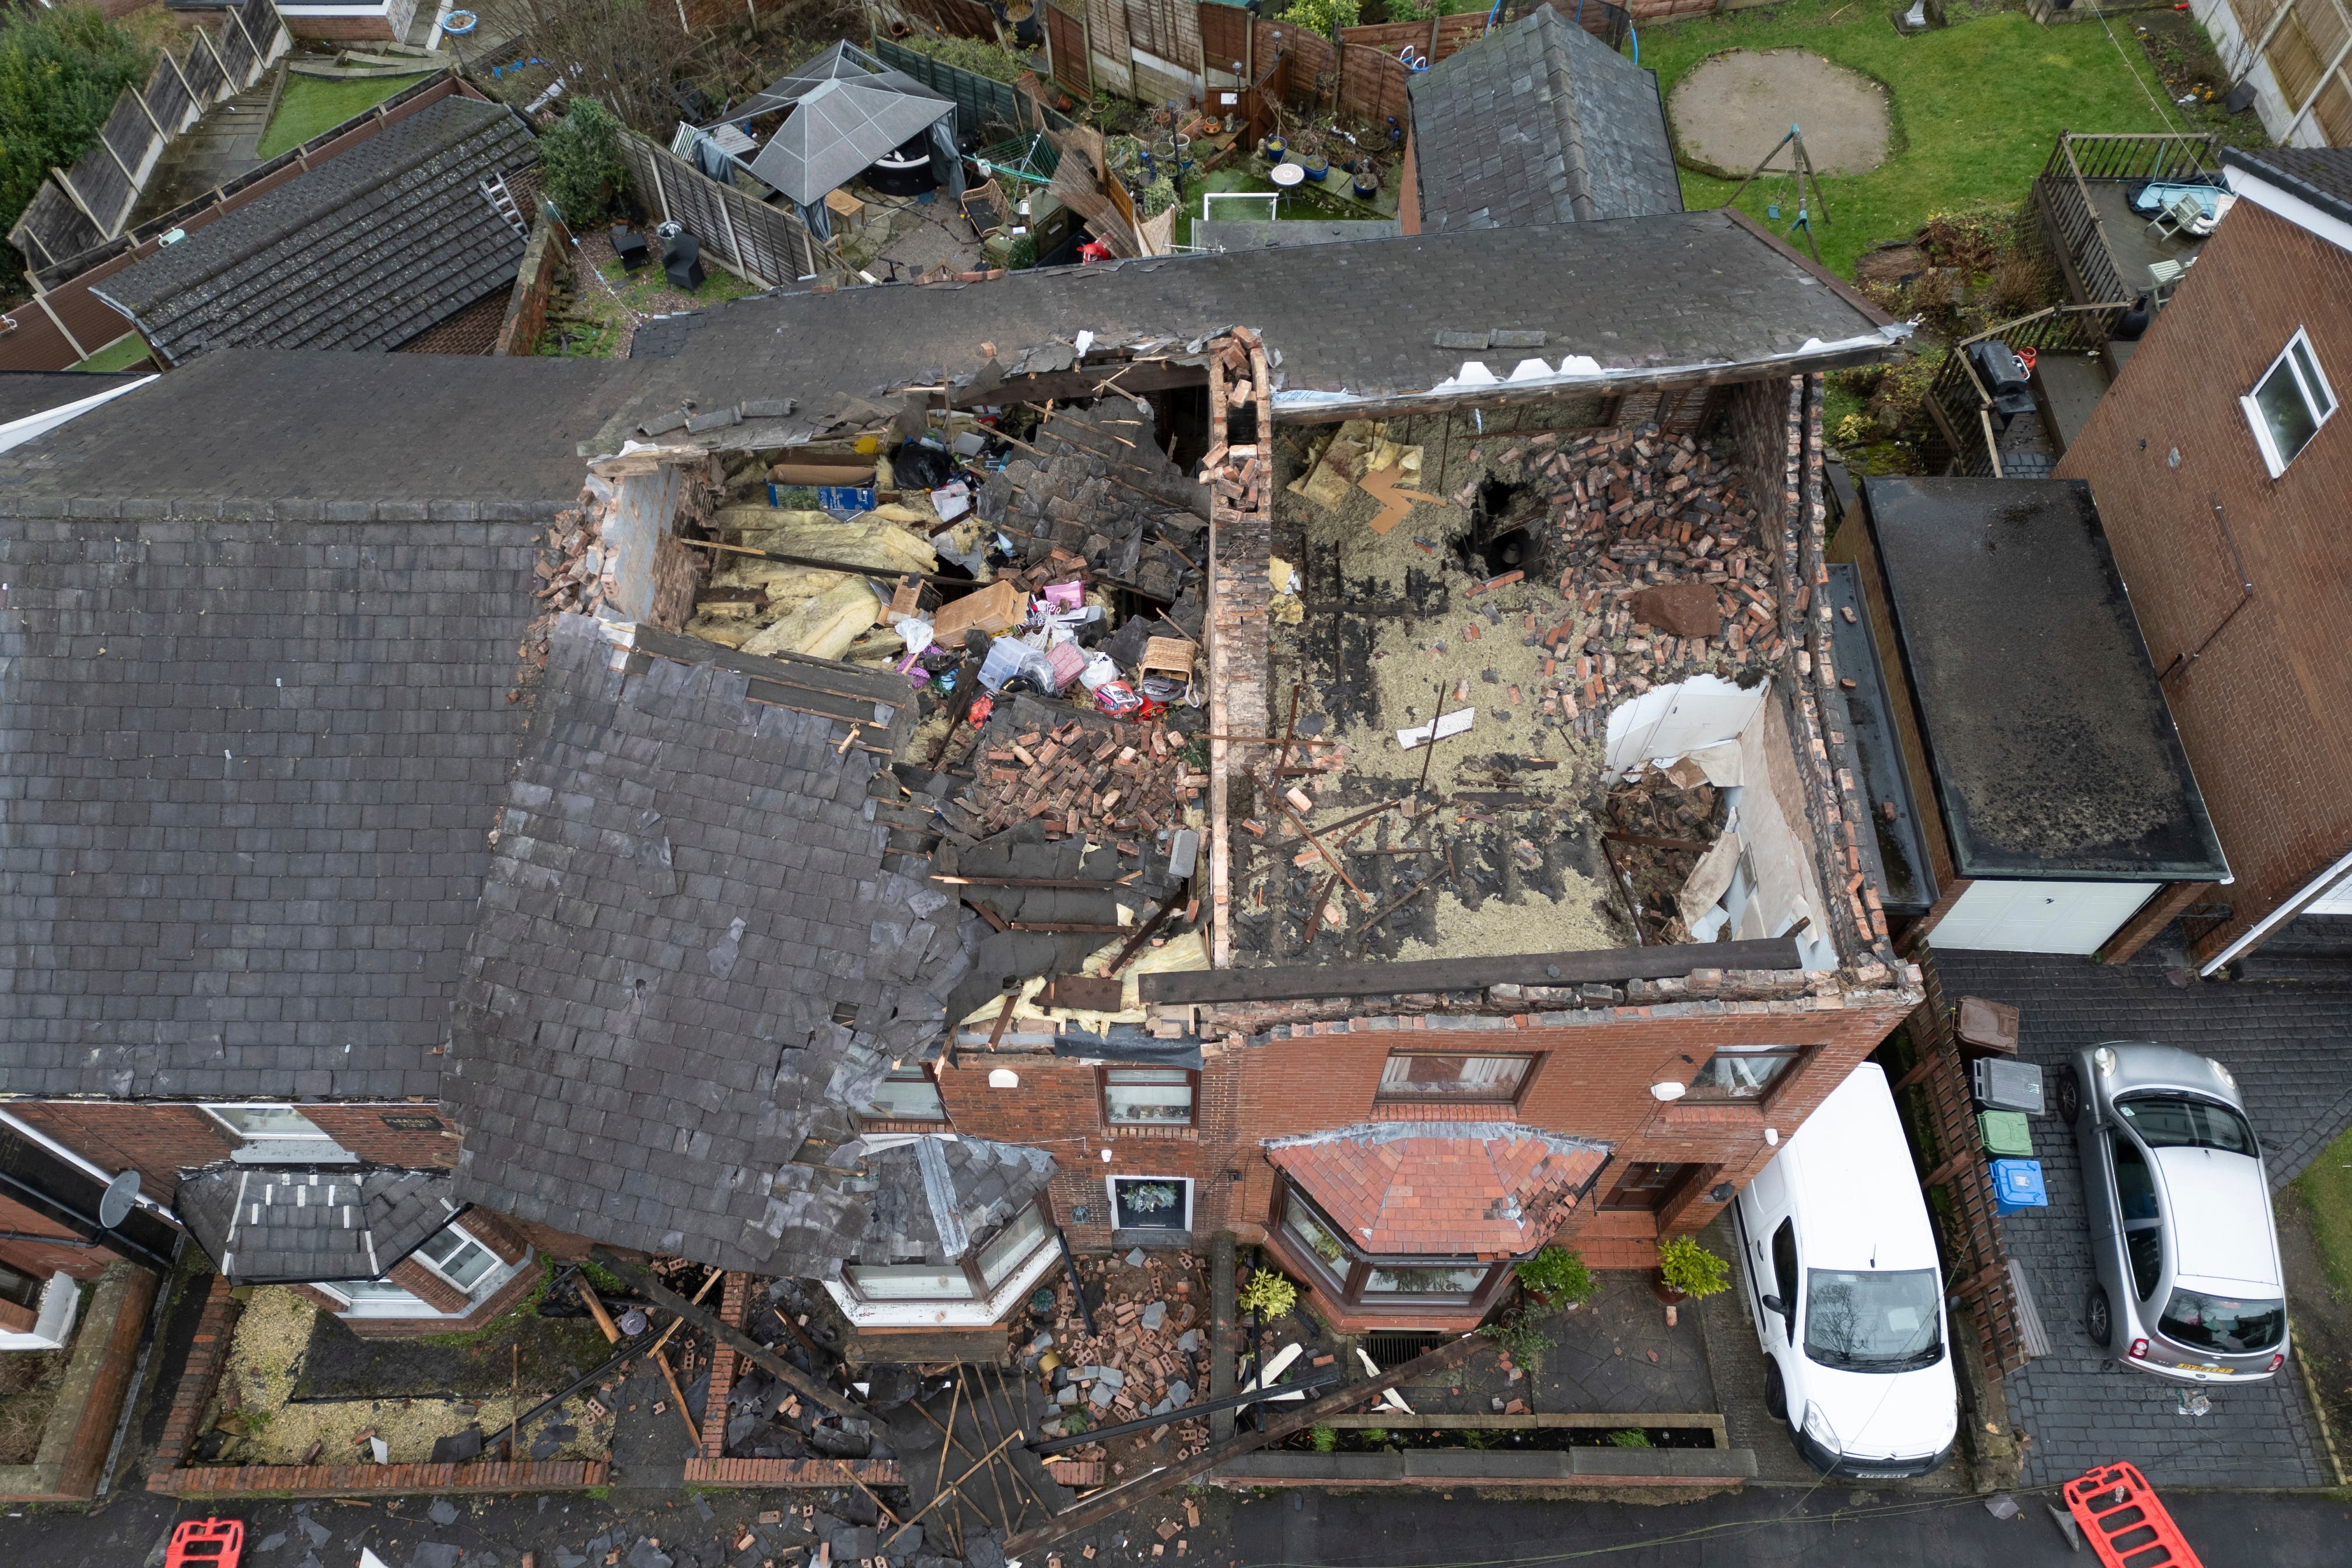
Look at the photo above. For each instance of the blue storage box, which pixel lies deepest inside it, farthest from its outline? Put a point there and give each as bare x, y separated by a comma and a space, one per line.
2017, 1184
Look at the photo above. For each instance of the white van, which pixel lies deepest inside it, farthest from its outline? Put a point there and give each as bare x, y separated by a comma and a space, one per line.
1847, 1293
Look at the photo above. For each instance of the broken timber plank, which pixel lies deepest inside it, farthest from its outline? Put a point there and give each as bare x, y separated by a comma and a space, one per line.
1609, 966
744, 1344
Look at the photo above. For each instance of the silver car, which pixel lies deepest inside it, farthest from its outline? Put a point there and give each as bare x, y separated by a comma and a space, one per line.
2189, 1284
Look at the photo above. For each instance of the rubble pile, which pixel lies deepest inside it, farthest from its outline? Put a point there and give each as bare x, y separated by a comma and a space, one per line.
1661, 824
1093, 484
1149, 1355
1081, 781
766, 1418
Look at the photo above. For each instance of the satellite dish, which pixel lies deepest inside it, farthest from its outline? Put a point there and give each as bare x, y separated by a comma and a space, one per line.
122, 1194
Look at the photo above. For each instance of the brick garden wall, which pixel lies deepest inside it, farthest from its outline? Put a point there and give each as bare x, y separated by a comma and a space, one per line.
2262, 709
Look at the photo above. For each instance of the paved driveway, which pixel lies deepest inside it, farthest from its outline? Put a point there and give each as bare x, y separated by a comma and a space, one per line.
2290, 1045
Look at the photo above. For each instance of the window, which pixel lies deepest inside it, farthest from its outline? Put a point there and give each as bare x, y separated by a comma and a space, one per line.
1414, 1075
910, 1282
1314, 1246
1012, 1246
1147, 1097
1784, 1273
1744, 1072
456, 1257
378, 1293
907, 1094
968, 1279
277, 1132
2216, 1323
1873, 1320
1150, 1203
2143, 1228
2289, 403
2166, 1123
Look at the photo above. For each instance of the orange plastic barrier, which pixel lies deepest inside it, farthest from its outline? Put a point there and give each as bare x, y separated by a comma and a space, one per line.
2125, 1521
206, 1543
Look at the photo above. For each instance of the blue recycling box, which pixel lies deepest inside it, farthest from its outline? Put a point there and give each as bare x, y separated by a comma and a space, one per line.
2017, 1184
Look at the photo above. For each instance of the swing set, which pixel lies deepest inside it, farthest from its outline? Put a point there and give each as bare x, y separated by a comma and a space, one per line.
1791, 182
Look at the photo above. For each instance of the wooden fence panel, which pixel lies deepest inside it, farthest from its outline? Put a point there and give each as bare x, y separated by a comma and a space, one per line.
168, 100
1066, 38
1109, 47
203, 73
765, 244
1372, 87
1224, 37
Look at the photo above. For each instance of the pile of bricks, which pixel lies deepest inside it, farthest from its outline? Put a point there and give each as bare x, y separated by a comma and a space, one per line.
1634, 511
1081, 781
1150, 1355
1659, 827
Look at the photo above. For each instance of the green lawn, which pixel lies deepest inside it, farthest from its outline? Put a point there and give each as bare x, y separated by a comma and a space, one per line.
2327, 1188
1976, 107
312, 104
120, 354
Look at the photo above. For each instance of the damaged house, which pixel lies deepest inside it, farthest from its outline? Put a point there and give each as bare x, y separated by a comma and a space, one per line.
882, 783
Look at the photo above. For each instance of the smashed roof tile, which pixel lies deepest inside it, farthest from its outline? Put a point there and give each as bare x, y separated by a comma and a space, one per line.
267, 1226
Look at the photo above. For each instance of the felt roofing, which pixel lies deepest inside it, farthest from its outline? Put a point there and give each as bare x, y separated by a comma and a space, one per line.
2320, 175
365, 251
940, 1200
1676, 298
1539, 123
1454, 1189
268, 1225
695, 955
2051, 747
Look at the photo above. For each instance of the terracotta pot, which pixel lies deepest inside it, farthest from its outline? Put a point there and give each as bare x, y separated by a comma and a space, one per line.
1663, 1291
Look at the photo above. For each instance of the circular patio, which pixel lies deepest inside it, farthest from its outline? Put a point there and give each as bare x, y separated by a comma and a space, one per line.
1730, 110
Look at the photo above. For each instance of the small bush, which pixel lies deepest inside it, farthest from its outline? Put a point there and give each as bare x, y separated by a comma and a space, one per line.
1157, 199
1972, 238
1268, 1294
1323, 1438
1558, 1274
1321, 17
1372, 1437
61, 73
971, 55
1523, 1341
582, 154
1630, 1437
1692, 1268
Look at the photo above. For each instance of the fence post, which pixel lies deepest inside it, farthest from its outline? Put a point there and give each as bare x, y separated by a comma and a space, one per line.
248, 44
228, 87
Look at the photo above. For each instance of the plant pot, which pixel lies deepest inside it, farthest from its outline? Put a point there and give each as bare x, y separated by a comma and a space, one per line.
1663, 1291
1366, 190
1318, 168
1276, 147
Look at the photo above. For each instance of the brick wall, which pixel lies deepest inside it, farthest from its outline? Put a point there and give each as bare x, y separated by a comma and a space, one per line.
426, 1286
734, 1300
207, 1355
69, 1254
79, 1430
491, 1306
526, 315
415, 1136
1591, 1079
2260, 708
156, 1140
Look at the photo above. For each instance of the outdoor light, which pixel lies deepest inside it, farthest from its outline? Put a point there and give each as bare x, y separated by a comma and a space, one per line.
1719, 1193
1771, 1137
1669, 1092
1003, 1078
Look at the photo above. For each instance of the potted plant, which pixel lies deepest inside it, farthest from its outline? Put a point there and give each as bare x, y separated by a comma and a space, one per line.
1687, 1270
1556, 1277
1368, 182
1318, 167
1273, 147
1268, 1294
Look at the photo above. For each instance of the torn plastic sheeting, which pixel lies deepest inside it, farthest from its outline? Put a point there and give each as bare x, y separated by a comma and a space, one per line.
1453, 723
1129, 1043
1667, 723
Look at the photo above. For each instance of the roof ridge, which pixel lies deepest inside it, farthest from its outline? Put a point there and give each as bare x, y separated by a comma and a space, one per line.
1566, 104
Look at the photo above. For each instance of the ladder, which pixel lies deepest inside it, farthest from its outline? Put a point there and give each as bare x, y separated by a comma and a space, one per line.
502, 201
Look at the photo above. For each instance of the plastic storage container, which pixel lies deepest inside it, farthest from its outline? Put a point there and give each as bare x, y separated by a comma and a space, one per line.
2017, 1184
2006, 1133
2000, 1084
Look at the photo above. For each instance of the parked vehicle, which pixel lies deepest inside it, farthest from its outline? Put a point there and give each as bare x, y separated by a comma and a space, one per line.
2189, 1283
1848, 1294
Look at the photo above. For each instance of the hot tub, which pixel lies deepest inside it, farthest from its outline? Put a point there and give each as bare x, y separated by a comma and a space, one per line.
906, 171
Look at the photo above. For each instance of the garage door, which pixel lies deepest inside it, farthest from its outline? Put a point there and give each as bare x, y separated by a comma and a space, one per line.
2040, 917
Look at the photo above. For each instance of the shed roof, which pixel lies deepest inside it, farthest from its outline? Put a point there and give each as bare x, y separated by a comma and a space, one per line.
2052, 753
1443, 1188
364, 251
265, 1226
1539, 123
692, 962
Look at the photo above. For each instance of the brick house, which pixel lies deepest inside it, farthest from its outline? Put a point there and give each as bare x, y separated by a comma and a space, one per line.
409, 854
2220, 472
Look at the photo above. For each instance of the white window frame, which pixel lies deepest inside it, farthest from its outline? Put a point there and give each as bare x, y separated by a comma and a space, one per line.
1110, 1196
316, 1147
470, 1239
2322, 408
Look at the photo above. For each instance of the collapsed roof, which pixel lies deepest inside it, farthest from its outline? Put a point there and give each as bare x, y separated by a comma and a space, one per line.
279, 1226
1539, 123
692, 962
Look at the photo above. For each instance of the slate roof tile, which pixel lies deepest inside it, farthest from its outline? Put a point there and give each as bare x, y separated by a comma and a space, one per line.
276, 1225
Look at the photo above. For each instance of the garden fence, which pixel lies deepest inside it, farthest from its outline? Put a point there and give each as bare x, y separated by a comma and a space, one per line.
762, 244
1965, 442
78, 209
983, 103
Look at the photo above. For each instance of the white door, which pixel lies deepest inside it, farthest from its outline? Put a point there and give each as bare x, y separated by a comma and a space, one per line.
2040, 917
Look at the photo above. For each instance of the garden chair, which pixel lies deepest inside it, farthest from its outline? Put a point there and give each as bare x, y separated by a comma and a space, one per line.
985, 205
2179, 218
2164, 276
2204, 225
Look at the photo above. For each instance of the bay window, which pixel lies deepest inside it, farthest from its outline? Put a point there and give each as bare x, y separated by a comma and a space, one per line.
908, 1094
1314, 1246
969, 1279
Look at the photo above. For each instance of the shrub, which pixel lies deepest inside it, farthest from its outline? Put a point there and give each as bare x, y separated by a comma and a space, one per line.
1157, 199
1692, 1268
582, 152
1630, 1437
1972, 239
1324, 1438
61, 73
1525, 1342
1558, 1274
1268, 1294
1321, 17
1372, 1437
971, 55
